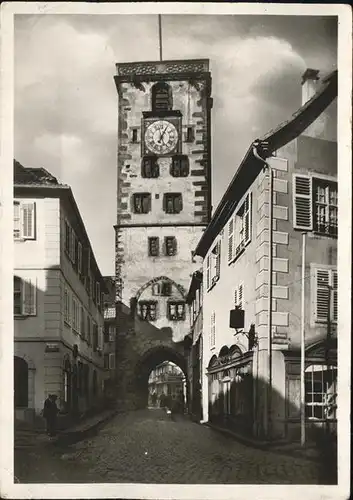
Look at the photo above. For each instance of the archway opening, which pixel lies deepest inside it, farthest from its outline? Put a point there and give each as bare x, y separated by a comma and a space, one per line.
167, 387
165, 367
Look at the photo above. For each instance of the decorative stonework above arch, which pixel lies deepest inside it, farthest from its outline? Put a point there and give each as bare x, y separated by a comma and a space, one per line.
180, 288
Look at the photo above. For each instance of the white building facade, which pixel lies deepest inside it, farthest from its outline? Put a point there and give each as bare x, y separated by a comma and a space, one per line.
58, 315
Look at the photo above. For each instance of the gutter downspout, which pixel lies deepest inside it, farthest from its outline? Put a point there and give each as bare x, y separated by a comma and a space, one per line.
268, 167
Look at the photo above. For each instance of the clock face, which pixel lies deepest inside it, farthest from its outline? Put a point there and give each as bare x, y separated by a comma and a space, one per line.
161, 137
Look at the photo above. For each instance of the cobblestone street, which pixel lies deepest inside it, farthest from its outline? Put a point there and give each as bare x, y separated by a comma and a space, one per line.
148, 447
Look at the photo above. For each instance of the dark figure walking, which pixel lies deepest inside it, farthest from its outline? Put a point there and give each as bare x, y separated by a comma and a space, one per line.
50, 413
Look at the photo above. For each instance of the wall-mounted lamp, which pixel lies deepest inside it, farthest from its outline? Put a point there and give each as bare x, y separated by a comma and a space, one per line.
251, 336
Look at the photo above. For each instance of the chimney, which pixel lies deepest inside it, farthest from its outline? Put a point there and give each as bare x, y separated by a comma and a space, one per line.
309, 84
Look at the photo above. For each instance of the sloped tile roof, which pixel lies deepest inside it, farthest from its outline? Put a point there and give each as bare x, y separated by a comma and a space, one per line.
33, 176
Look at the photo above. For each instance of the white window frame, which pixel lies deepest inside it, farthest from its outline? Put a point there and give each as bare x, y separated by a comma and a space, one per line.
328, 398
242, 226
25, 232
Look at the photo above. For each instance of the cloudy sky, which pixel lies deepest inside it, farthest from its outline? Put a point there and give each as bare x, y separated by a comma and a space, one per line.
66, 102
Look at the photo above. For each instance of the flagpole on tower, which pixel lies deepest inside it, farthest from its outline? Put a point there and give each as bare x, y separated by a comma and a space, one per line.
160, 35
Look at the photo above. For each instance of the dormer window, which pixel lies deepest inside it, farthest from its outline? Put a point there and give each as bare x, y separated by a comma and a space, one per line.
162, 97
180, 166
149, 167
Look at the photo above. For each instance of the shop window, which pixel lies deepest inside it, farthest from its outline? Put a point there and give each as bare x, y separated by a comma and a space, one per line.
176, 311
170, 244
149, 167
180, 166
172, 203
148, 310
153, 246
141, 203
320, 392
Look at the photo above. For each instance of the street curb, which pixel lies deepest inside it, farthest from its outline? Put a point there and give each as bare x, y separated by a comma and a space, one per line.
263, 445
73, 435
275, 447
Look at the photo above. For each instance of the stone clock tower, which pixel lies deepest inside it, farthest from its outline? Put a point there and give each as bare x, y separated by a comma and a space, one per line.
164, 185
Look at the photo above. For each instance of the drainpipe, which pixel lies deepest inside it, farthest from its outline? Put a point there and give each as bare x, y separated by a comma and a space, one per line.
268, 167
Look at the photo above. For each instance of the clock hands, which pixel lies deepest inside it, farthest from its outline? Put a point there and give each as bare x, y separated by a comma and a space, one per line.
162, 134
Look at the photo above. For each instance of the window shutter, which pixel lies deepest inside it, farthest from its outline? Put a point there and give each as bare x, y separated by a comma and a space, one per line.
29, 297
322, 294
302, 202
235, 297
79, 258
334, 315
208, 272
67, 237
247, 221
213, 329
240, 296
218, 259
112, 361
230, 239
28, 220
174, 246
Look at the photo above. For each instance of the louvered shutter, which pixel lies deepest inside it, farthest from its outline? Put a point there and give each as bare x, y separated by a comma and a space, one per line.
302, 202
334, 296
29, 297
208, 272
322, 281
241, 296
230, 239
218, 259
28, 220
236, 297
79, 258
247, 219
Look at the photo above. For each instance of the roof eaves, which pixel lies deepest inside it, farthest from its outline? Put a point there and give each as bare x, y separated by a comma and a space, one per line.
276, 138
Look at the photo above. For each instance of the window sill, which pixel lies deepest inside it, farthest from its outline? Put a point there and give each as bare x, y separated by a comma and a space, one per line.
213, 348
23, 316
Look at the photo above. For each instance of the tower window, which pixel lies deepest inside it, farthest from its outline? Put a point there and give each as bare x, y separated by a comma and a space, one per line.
189, 135
134, 135
172, 203
176, 311
162, 98
180, 166
153, 246
141, 203
148, 310
149, 167
163, 288
170, 244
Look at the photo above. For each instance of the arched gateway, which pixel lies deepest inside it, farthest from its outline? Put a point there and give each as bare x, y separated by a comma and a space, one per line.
141, 346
